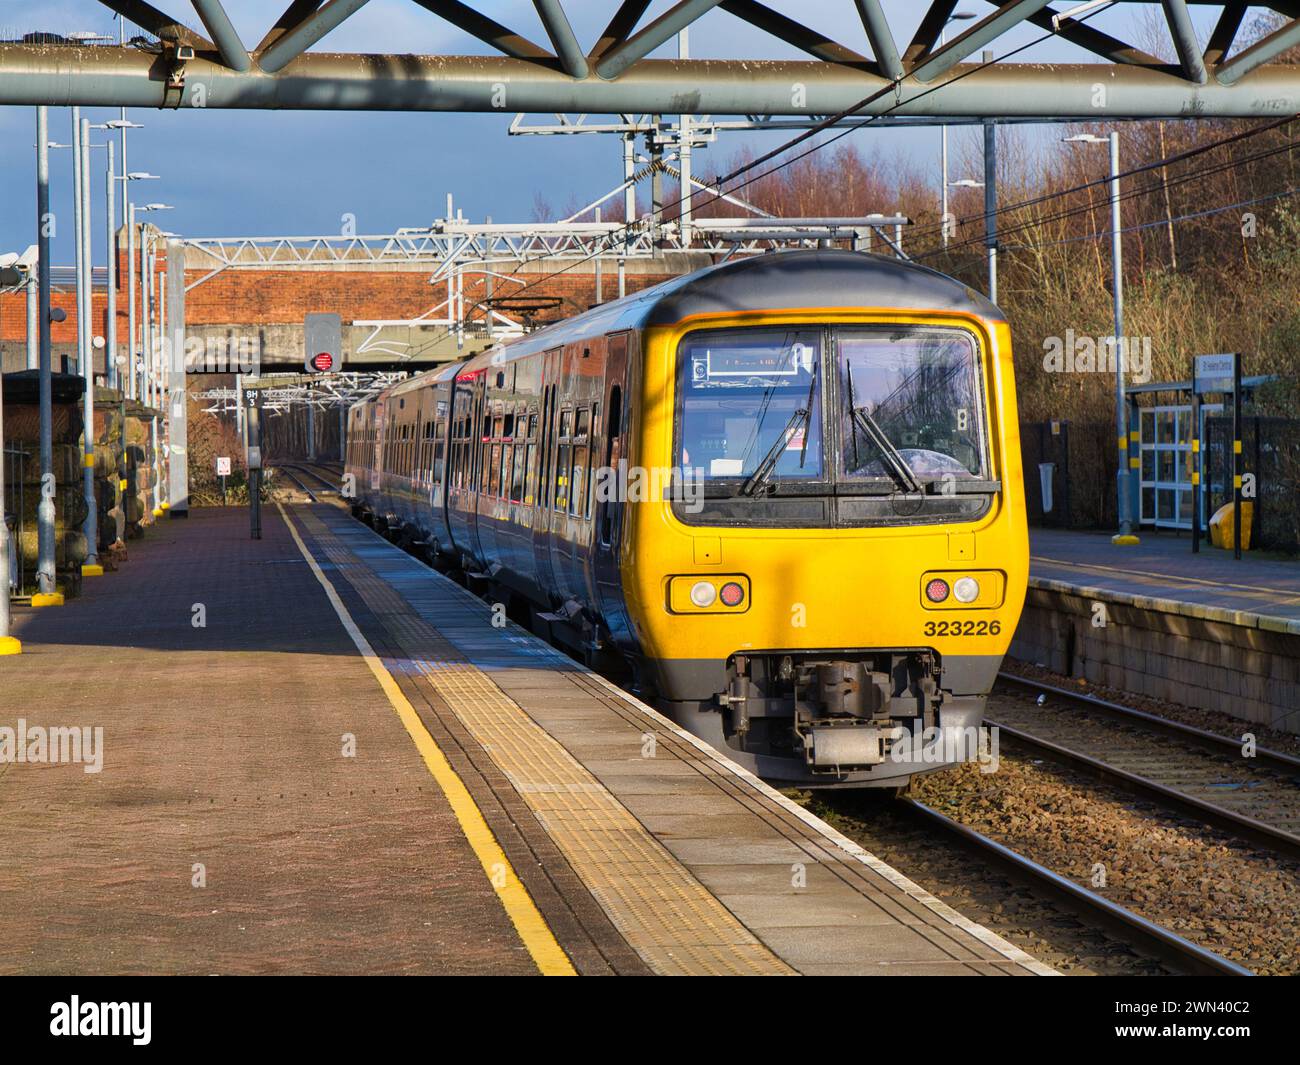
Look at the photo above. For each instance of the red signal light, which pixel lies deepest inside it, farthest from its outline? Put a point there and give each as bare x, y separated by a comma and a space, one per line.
322, 361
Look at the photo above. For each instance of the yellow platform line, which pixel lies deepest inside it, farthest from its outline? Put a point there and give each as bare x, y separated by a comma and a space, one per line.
659, 907
518, 903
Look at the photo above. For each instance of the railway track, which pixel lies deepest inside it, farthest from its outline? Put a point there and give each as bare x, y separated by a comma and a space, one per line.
1146, 935
289, 471
326, 482
326, 476
1200, 774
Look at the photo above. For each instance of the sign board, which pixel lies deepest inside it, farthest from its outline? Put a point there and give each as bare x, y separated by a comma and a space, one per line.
223, 466
322, 343
1214, 373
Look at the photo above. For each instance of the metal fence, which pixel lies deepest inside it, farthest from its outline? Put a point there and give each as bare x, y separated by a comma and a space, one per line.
1270, 450
1082, 457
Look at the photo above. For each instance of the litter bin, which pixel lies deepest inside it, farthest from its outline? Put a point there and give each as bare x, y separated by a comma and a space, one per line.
1046, 470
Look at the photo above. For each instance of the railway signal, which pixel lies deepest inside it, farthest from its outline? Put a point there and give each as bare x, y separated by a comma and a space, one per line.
322, 343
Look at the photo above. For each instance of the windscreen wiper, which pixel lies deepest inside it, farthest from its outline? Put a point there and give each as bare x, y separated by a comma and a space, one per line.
798, 420
894, 461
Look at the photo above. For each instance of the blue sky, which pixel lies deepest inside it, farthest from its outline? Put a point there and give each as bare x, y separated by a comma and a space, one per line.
236, 173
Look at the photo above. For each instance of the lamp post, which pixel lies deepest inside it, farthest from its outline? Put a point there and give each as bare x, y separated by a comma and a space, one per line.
137, 389
956, 16
47, 594
960, 184
149, 384
1123, 503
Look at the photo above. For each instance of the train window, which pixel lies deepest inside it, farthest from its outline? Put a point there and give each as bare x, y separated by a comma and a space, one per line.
507, 469
751, 398
517, 482
493, 485
439, 469
531, 472
910, 397
560, 500
578, 494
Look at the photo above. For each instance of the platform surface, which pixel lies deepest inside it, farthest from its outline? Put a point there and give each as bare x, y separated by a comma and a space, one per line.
321, 756
1162, 572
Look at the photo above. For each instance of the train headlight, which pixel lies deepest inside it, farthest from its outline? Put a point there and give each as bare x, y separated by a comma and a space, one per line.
937, 590
703, 594
982, 589
695, 593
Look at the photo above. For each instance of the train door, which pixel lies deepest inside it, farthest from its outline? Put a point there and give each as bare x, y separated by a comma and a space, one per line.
480, 497
443, 445
460, 480
609, 453
544, 491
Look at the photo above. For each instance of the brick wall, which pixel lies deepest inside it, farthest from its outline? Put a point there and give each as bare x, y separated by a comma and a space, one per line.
270, 297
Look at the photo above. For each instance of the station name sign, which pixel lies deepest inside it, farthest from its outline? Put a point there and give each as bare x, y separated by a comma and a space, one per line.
1214, 373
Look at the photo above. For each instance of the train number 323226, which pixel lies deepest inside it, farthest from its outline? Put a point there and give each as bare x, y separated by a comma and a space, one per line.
963, 628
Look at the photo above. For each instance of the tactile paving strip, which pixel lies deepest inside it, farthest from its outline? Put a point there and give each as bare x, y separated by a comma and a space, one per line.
663, 912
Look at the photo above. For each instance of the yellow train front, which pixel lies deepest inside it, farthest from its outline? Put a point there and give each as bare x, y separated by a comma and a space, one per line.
785, 490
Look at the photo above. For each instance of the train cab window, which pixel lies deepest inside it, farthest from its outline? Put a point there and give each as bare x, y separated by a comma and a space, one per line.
906, 443
910, 406
751, 398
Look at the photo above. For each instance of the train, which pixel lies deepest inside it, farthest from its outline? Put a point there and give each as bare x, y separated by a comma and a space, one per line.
781, 494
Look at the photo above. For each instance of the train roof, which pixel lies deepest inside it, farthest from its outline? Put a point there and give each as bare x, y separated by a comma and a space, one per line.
816, 279
822, 278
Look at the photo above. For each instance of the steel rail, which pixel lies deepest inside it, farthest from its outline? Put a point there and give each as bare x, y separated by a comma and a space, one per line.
307, 468
1154, 937
1249, 828
288, 472
1210, 741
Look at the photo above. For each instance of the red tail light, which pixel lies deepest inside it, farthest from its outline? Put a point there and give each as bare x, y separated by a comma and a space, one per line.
937, 590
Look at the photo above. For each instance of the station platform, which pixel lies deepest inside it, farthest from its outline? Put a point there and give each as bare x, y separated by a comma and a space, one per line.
320, 756
1162, 570
1204, 630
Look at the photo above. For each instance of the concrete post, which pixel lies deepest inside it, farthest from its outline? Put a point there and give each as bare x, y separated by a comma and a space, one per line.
178, 471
